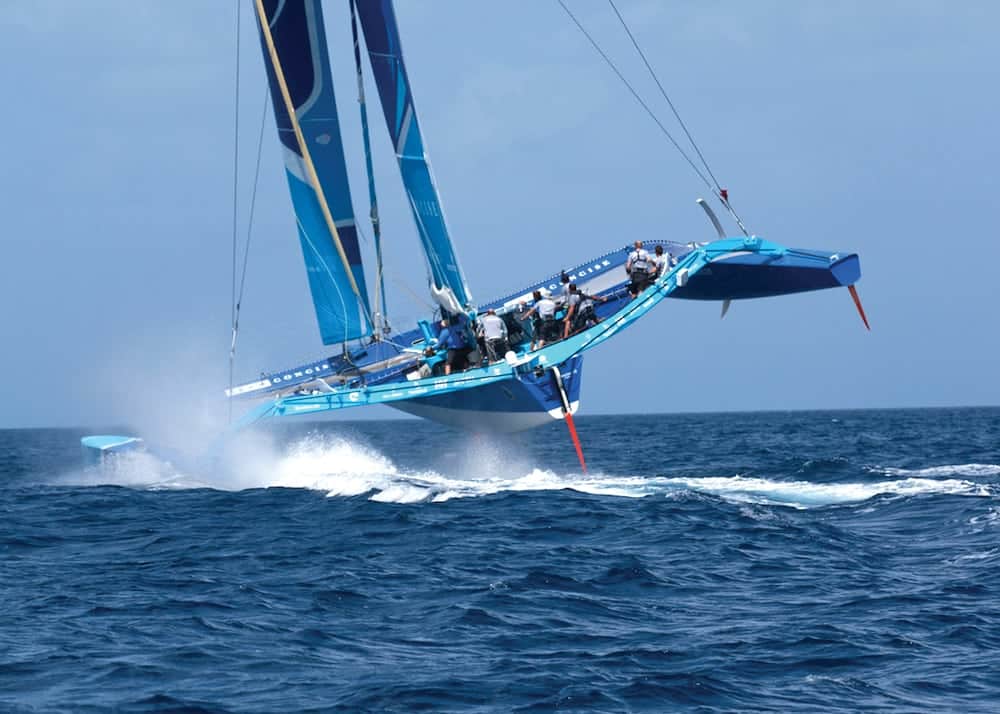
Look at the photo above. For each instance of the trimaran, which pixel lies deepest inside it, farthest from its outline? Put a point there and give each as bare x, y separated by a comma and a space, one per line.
376, 365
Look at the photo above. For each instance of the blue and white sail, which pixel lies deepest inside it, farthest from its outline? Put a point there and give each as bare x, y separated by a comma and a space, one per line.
298, 69
378, 21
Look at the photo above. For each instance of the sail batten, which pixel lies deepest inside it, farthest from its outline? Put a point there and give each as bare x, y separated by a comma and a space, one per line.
378, 22
298, 68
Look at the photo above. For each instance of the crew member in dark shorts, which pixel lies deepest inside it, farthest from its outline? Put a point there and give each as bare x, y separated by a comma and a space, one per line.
452, 338
579, 310
546, 327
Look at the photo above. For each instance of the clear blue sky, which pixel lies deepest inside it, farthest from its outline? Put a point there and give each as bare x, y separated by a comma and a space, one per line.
862, 126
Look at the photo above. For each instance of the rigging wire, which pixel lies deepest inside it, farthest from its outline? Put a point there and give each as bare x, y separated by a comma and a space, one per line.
236, 166
712, 185
635, 94
381, 309
391, 274
663, 91
720, 192
237, 293
253, 204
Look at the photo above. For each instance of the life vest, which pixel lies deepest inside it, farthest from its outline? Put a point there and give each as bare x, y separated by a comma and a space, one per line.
584, 312
639, 262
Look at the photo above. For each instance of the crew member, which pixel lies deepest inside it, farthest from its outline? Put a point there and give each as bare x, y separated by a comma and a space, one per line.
546, 328
563, 290
452, 338
639, 268
661, 261
494, 334
579, 310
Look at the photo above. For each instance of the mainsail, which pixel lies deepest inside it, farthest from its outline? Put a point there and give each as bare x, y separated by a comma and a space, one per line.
378, 21
305, 110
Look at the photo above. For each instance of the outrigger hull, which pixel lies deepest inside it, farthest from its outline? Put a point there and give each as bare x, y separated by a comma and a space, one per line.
744, 275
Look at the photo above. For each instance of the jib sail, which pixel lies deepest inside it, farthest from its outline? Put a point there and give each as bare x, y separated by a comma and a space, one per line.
378, 21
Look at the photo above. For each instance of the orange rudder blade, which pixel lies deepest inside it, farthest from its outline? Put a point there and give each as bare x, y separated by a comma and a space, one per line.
576, 441
857, 303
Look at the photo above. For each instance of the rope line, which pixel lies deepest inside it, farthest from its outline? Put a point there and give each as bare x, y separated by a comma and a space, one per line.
720, 193
381, 308
246, 251
713, 185
638, 98
236, 165
663, 91
399, 282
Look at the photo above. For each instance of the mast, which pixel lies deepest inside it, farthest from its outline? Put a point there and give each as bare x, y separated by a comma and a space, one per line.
382, 312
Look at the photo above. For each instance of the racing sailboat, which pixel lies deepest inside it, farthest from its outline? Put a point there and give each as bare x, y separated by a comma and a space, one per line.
371, 363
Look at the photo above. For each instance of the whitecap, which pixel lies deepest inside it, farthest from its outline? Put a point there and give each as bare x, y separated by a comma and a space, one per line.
966, 470
401, 493
986, 520
972, 557
805, 494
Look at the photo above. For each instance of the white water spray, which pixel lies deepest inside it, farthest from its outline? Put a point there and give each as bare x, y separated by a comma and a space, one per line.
341, 467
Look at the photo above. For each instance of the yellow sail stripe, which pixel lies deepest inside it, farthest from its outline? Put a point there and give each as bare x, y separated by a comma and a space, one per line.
310, 168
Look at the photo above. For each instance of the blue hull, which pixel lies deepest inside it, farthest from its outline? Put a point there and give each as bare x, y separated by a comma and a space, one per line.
503, 407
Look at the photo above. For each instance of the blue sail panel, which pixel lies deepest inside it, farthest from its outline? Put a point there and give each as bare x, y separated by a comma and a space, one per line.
296, 29
341, 316
378, 21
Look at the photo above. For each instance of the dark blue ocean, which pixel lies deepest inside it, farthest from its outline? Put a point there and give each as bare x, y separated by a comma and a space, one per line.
795, 561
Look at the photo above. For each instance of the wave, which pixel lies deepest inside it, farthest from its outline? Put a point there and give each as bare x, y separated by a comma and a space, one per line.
805, 494
342, 468
966, 470
990, 519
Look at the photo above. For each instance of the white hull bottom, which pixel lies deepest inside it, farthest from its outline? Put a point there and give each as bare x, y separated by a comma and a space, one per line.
481, 420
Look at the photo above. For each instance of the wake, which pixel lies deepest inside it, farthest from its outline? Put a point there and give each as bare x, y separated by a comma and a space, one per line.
342, 468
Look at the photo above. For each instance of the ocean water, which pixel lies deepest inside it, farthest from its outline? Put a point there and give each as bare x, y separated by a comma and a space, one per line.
799, 561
